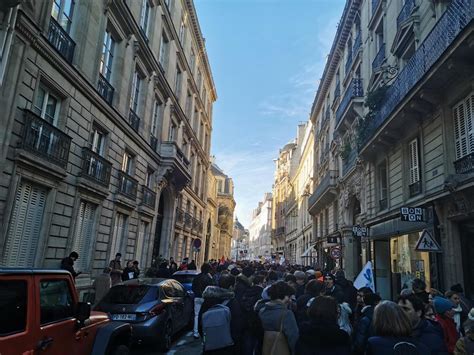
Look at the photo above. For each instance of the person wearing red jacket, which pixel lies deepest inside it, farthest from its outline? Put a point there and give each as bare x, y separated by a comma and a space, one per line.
444, 316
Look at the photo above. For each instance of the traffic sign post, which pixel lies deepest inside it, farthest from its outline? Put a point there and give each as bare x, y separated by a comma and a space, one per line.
335, 252
428, 243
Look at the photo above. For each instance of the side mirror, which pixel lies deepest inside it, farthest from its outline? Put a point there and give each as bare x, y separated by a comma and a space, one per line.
83, 312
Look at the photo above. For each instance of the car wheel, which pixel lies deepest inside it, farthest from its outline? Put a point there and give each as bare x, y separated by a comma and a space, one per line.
121, 350
167, 336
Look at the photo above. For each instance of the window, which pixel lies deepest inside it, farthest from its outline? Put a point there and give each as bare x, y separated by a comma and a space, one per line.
383, 185
164, 45
136, 87
414, 161
463, 115
142, 243
192, 60
189, 103
83, 234
177, 82
157, 115
107, 56
199, 79
25, 225
127, 163
120, 234
98, 141
46, 105
182, 31
13, 303
7, 24
220, 186
149, 178
172, 132
62, 12
56, 302
144, 16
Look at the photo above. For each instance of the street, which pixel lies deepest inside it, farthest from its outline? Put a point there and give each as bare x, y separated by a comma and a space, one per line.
184, 343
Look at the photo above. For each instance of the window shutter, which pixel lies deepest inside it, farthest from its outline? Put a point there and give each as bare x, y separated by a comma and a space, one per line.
414, 162
25, 225
83, 235
470, 122
460, 131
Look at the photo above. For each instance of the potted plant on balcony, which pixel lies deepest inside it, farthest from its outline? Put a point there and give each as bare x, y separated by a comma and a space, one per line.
373, 101
346, 149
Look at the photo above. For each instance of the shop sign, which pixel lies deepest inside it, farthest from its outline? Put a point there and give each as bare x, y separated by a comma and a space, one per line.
335, 252
426, 242
412, 214
359, 231
331, 240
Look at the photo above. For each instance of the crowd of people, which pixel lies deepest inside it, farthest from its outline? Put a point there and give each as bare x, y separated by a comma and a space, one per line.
254, 308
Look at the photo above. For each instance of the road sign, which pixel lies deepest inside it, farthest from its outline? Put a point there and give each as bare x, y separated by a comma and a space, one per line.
359, 231
197, 243
427, 243
335, 252
412, 214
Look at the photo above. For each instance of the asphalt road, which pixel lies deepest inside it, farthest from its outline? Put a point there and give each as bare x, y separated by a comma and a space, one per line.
184, 343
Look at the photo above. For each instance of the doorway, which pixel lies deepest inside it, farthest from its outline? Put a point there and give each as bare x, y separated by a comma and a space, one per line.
466, 231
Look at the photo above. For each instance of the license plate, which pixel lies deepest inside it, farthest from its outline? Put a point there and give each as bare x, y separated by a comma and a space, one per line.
125, 316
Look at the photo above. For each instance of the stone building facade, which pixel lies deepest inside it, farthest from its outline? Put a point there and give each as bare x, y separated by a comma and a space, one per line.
393, 128
260, 229
240, 242
105, 133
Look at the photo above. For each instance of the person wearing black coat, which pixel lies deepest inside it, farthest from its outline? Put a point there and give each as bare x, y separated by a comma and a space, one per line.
163, 271
321, 335
313, 289
200, 283
68, 264
348, 289
332, 289
364, 329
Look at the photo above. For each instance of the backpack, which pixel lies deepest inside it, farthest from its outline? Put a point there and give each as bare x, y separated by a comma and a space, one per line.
405, 348
216, 327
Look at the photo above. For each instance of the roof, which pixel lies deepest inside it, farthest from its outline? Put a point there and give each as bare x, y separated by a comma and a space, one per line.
32, 271
217, 171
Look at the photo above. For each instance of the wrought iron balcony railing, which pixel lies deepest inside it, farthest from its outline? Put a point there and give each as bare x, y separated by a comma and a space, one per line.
457, 16
45, 140
465, 165
379, 58
348, 62
179, 216
95, 167
127, 185
61, 40
406, 11
349, 163
149, 197
188, 220
105, 89
354, 90
357, 44
134, 120
337, 90
329, 180
415, 188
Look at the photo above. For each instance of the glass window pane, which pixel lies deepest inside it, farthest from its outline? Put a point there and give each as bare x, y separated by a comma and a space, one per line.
51, 107
55, 300
40, 96
13, 303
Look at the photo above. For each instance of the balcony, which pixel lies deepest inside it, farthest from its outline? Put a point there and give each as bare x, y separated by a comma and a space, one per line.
179, 216
45, 140
149, 197
60, 40
173, 157
349, 163
127, 185
406, 12
95, 167
134, 120
323, 159
457, 16
465, 165
105, 89
348, 63
279, 231
337, 90
415, 188
188, 220
325, 192
354, 94
379, 59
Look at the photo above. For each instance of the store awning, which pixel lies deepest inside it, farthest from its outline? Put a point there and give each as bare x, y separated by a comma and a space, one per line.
307, 252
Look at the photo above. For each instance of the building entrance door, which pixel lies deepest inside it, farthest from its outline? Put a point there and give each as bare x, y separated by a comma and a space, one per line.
467, 242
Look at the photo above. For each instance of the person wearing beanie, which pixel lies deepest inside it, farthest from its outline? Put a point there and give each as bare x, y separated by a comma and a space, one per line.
300, 277
348, 289
465, 345
444, 316
332, 289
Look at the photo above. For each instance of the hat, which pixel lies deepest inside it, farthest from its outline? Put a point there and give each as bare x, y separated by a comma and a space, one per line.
300, 275
231, 266
340, 275
310, 272
441, 304
235, 271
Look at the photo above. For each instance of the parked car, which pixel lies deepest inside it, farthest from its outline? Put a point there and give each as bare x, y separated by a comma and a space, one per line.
186, 277
156, 308
40, 313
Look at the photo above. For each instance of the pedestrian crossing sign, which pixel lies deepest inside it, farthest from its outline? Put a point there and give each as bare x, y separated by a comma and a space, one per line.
427, 243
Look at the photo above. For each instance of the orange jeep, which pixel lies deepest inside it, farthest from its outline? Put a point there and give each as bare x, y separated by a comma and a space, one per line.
40, 314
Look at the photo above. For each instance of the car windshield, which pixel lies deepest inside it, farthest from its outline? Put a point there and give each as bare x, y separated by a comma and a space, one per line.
184, 279
126, 294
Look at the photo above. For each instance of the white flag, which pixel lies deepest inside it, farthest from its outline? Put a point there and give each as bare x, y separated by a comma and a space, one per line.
365, 278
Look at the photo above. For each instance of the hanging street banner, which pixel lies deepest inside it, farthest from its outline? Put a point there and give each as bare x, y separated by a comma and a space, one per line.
365, 278
412, 214
427, 242
359, 231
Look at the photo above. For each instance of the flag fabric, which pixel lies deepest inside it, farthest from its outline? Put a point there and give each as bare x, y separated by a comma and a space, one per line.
365, 278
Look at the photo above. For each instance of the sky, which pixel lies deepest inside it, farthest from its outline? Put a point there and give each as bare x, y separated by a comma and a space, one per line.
266, 57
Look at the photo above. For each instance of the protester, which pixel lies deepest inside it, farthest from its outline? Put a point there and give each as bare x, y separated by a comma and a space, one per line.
465, 303
425, 331
300, 277
102, 284
313, 289
163, 270
129, 272
348, 289
192, 265
68, 264
444, 316
224, 295
344, 320
243, 282
276, 317
184, 265
364, 328
465, 345
458, 317
253, 330
116, 267
331, 289
360, 302
321, 334
200, 283
419, 289
173, 266
392, 330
